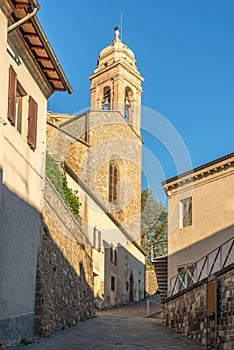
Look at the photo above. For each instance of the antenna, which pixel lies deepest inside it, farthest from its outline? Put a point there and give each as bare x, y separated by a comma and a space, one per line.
121, 26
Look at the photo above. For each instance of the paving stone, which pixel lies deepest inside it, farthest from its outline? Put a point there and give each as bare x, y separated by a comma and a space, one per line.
119, 328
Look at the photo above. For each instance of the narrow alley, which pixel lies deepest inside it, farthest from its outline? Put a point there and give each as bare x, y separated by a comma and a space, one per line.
119, 328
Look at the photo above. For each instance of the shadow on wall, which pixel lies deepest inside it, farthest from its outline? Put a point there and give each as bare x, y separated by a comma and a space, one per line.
124, 275
195, 251
19, 239
64, 284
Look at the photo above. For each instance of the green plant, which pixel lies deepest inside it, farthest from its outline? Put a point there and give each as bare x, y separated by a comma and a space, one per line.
54, 174
71, 197
59, 181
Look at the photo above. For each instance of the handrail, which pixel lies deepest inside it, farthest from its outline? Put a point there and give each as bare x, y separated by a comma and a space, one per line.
215, 261
158, 303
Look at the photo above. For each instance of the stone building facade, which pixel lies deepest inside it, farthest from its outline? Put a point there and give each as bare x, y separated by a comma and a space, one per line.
100, 151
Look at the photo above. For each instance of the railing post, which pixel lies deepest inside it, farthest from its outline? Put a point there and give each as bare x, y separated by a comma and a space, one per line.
196, 268
186, 278
221, 256
207, 266
148, 308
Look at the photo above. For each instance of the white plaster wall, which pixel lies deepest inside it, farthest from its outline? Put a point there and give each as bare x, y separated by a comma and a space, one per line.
111, 234
20, 192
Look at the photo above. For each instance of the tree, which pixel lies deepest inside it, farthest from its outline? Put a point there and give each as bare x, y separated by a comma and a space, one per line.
153, 226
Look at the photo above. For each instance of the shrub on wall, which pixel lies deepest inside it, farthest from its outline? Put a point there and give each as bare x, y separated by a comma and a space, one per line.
59, 181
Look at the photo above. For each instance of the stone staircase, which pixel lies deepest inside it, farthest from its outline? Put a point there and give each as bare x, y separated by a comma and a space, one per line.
160, 265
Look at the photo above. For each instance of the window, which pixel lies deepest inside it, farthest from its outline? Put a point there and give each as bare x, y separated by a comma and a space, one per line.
112, 283
32, 123
113, 181
186, 212
113, 254
16, 95
97, 239
20, 93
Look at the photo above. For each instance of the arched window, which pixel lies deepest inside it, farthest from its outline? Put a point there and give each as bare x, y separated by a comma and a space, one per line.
127, 103
113, 181
106, 99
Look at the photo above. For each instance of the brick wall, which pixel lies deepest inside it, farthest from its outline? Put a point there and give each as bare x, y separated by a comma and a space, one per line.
186, 312
64, 286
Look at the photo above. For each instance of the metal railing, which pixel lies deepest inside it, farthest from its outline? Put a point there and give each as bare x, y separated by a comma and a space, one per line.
153, 305
203, 268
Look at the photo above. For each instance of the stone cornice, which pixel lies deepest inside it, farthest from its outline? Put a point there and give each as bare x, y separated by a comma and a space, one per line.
205, 172
119, 62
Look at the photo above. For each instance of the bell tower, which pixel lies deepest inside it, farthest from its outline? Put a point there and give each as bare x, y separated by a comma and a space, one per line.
116, 83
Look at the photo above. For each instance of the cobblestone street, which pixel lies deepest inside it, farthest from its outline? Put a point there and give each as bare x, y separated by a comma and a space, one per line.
119, 328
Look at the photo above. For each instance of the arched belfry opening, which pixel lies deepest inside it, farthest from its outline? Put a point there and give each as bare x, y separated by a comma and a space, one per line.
106, 102
128, 105
116, 83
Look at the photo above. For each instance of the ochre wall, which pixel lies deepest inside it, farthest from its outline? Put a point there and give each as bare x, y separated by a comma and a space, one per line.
212, 215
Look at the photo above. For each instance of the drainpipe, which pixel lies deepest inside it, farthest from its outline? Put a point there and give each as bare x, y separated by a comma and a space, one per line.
26, 18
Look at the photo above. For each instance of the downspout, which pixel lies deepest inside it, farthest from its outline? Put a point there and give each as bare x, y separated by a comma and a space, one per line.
24, 19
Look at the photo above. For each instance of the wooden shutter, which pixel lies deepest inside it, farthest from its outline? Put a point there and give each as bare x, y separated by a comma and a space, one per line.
94, 237
111, 253
99, 241
12, 95
32, 123
115, 255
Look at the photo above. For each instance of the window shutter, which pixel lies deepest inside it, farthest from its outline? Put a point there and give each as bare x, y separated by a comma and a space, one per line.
32, 123
111, 253
12, 95
99, 241
94, 237
115, 255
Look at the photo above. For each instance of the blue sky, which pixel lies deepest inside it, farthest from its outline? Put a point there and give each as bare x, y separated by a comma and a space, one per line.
184, 51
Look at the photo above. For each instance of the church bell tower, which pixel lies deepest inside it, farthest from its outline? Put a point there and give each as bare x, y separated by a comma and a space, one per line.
116, 83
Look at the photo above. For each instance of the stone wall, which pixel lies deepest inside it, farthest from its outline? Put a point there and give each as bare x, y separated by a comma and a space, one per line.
151, 284
186, 312
110, 138
64, 286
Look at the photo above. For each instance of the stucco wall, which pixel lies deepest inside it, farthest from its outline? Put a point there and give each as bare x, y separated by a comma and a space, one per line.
186, 312
21, 185
212, 215
130, 260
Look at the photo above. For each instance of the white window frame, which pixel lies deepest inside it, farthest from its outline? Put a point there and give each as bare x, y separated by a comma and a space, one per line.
185, 220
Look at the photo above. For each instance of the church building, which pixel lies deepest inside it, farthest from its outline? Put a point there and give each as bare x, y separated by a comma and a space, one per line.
100, 152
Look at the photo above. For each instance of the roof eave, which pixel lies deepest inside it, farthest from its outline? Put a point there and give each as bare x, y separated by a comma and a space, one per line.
52, 56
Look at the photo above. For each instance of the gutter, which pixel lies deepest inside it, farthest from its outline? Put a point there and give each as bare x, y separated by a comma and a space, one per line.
25, 19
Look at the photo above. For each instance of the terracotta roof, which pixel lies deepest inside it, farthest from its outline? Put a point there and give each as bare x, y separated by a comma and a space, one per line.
40, 46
